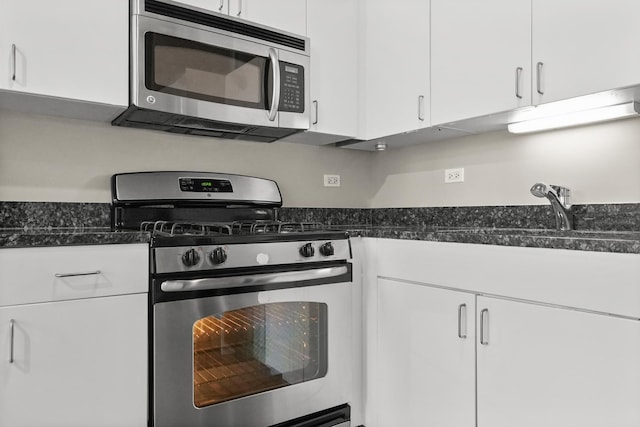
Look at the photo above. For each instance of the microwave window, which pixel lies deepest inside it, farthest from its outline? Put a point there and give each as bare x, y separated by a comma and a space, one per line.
200, 71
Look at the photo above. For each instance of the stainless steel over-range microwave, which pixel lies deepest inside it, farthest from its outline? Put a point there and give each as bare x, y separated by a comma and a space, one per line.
203, 73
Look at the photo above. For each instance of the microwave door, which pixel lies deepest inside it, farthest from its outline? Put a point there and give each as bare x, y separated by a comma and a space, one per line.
203, 74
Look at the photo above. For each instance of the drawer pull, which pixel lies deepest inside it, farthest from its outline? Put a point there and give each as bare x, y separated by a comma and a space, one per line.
87, 273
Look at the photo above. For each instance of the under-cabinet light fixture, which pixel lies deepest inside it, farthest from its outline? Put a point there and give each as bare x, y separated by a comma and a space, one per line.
381, 146
577, 118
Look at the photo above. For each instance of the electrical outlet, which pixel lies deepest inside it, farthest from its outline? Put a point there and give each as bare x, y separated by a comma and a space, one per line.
454, 175
332, 180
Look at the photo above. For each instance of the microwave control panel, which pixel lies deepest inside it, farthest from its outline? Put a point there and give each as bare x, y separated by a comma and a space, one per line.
291, 88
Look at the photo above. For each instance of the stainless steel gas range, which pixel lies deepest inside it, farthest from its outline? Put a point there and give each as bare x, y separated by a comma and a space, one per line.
250, 317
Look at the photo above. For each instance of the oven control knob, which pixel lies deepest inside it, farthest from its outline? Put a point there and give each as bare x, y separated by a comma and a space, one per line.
307, 250
327, 249
191, 258
218, 256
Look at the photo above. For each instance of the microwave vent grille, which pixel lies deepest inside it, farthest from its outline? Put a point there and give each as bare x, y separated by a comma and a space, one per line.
221, 23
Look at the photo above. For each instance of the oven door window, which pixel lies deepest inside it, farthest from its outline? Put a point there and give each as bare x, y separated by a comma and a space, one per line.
200, 71
256, 349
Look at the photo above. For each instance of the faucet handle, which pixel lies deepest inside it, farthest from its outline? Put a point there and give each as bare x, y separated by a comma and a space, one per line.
564, 195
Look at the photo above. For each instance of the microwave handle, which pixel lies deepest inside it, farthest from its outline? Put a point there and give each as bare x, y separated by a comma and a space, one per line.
275, 99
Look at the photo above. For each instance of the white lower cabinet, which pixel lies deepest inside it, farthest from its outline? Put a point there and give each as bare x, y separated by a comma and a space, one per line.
75, 363
74, 336
535, 365
555, 349
553, 367
426, 353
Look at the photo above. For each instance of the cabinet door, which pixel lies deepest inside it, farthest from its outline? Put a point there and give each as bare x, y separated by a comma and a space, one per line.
546, 366
584, 46
73, 49
219, 6
287, 15
395, 69
426, 368
480, 57
334, 66
75, 363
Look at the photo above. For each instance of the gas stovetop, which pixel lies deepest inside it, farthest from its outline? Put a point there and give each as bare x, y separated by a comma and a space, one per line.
208, 221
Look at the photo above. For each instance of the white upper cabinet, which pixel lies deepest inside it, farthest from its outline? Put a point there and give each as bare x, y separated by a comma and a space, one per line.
334, 66
395, 68
584, 47
480, 57
287, 15
74, 49
220, 6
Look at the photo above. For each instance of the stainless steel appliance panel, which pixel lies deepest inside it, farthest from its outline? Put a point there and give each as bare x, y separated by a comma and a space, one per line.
174, 353
143, 186
169, 103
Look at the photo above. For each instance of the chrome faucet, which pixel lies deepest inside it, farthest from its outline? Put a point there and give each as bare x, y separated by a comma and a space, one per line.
560, 198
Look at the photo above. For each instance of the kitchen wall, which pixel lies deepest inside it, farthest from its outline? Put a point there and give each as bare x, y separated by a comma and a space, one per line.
45, 158
600, 163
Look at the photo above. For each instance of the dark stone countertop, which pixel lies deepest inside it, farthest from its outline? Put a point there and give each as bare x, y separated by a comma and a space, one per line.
597, 241
602, 228
24, 238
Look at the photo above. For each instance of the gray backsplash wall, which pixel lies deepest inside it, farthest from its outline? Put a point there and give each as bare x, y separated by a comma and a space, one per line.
64, 160
45, 158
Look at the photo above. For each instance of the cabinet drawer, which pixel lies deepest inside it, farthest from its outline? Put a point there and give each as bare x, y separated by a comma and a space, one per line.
31, 275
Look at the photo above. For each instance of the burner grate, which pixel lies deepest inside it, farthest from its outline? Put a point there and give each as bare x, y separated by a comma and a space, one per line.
170, 229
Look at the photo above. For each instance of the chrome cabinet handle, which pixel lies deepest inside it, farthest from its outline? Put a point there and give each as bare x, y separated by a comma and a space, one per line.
11, 335
315, 104
462, 325
86, 273
221, 5
239, 7
539, 78
13, 61
275, 100
518, 76
421, 108
484, 314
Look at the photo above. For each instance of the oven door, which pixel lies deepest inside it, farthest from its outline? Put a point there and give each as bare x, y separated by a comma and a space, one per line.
190, 71
253, 359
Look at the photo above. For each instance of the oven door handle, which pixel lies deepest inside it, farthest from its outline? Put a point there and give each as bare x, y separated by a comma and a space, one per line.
251, 280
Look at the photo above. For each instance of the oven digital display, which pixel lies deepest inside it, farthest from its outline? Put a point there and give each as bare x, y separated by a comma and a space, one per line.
200, 185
